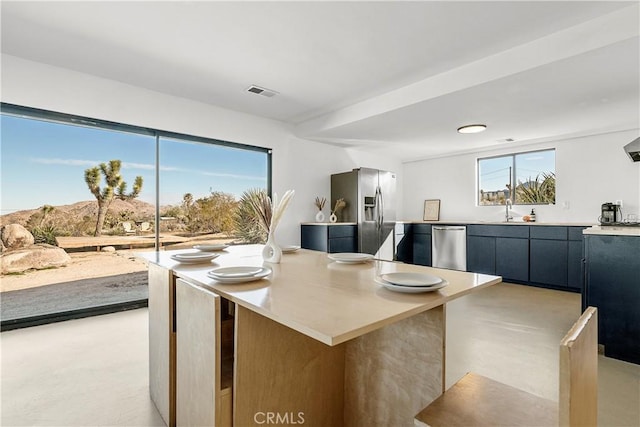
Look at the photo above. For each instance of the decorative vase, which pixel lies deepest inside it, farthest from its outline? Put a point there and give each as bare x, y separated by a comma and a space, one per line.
271, 251
320, 216
333, 218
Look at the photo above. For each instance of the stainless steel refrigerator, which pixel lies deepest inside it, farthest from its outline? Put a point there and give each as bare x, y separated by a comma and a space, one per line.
370, 196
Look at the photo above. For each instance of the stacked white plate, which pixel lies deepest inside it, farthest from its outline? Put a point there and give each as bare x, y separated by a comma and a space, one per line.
211, 248
289, 249
238, 274
350, 258
194, 257
411, 283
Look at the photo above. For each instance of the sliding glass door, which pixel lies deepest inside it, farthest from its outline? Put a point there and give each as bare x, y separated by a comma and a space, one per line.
79, 199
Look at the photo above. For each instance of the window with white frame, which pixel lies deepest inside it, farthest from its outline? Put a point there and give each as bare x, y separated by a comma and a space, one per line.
527, 178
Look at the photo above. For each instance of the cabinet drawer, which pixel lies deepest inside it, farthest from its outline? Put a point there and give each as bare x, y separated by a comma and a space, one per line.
422, 228
342, 231
575, 233
548, 232
521, 231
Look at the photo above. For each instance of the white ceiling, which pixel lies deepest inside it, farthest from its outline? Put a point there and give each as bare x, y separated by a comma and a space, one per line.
390, 77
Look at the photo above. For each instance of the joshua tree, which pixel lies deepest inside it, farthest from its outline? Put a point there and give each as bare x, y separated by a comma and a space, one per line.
46, 210
105, 196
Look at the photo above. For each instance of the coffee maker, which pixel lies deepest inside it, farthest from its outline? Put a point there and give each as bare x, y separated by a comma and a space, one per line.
609, 213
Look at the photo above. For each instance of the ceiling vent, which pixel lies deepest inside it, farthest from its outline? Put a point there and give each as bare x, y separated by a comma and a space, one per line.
261, 91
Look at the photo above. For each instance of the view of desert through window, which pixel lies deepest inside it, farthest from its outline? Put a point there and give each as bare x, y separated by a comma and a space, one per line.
78, 202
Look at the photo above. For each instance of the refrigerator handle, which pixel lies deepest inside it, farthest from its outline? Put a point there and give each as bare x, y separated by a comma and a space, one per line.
381, 215
378, 205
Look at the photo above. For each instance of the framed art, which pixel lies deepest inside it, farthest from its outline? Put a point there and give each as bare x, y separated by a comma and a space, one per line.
431, 210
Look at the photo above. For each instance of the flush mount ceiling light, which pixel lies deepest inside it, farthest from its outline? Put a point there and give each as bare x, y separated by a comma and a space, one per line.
472, 128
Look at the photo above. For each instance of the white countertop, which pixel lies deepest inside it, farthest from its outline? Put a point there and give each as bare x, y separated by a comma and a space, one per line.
613, 231
475, 222
328, 223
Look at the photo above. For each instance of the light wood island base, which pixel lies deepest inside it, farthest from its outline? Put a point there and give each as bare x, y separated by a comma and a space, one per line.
315, 344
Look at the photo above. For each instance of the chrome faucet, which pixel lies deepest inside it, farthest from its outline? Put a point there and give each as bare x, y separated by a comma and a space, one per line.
507, 205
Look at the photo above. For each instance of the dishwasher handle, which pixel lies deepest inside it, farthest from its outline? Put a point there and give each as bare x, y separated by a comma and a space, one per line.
450, 228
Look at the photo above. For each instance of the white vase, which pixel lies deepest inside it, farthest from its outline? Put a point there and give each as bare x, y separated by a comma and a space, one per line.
320, 216
272, 252
333, 218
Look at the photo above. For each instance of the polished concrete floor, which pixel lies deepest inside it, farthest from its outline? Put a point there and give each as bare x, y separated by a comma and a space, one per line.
93, 371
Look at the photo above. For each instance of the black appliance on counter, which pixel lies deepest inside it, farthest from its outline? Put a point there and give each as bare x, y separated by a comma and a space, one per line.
609, 213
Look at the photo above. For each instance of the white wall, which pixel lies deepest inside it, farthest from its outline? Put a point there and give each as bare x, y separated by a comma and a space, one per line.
589, 171
297, 164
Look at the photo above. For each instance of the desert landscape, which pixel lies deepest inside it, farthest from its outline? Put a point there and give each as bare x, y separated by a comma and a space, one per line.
70, 227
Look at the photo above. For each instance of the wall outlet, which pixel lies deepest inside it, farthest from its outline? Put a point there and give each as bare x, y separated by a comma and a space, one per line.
565, 205
619, 203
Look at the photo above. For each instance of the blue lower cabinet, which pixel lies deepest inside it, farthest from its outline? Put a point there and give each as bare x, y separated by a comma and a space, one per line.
404, 247
343, 244
314, 237
422, 249
612, 285
512, 259
548, 262
329, 238
575, 277
481, 254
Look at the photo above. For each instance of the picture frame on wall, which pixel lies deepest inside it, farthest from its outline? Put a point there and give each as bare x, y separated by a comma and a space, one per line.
431, 210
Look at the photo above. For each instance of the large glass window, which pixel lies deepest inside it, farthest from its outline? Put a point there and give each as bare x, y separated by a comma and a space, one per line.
86, 191
523, 178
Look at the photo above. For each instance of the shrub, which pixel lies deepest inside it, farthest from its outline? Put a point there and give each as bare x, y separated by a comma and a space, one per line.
45, 234
248, 229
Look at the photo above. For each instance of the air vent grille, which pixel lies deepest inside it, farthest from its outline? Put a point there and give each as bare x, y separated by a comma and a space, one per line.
261, 91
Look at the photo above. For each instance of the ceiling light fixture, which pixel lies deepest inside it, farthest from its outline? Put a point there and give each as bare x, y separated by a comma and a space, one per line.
472, 128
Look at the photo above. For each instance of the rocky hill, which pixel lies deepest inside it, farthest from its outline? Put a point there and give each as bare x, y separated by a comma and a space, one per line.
67, 217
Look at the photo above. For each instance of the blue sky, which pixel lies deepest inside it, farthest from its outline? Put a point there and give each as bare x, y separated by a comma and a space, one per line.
44, 163
494, 172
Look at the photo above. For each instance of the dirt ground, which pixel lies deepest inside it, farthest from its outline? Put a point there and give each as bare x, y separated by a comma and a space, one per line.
85, 265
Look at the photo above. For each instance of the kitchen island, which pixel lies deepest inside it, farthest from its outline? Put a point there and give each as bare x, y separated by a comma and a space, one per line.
315, 343
612, 263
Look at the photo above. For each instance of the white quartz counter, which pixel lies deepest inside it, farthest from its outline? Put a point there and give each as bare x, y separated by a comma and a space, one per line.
328, 223
613, 231
474, 222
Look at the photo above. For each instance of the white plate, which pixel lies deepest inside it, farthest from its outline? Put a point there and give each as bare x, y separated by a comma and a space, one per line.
234, 272
411, 279
210, 248
289, 249
411, 289
193, 257
350, 258
264, 272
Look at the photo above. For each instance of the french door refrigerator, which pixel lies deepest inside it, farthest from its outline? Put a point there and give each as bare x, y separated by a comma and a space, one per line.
371, 203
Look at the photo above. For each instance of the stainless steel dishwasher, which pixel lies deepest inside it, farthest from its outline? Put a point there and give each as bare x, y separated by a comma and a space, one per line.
449, 247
